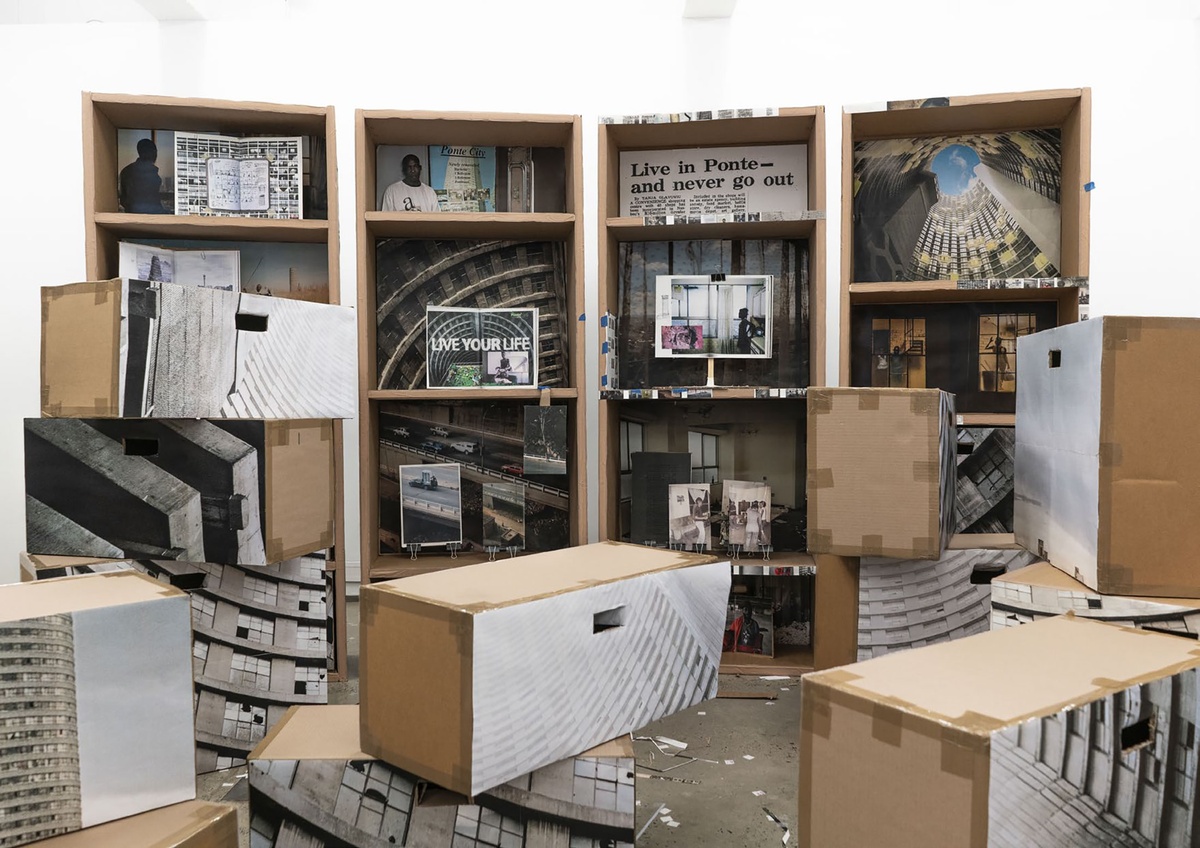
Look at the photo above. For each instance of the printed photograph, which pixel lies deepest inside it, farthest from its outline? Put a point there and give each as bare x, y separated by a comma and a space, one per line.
749, 626
732, 314
463, 177
965, 348
486, 438
146, 179
414, 276
277, 269
491, 348
545, 440
430, 504
983, 491
690, 513
644, 354
242, 177
747, 515
958, 207
504, 515
402, 179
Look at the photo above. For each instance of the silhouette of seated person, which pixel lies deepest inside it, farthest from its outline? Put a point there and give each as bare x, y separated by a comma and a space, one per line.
140, 184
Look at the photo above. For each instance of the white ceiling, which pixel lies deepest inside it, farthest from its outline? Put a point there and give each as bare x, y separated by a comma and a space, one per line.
134, 11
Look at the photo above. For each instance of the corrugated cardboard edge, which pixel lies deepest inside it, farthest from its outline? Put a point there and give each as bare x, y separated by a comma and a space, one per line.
206, 824
964, 754
382, 678
682, 560
280, 544
257, 753
104, 293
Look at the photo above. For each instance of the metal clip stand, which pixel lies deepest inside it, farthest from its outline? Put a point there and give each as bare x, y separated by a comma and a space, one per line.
413, 549
492, 550
699, 547
766, 551
650, 543
513, 550
735, 550
677, 546
453, 548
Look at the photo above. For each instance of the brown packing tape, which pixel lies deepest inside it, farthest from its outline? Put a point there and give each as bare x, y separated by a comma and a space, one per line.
926, 546
871, 544
820, 541
1120, 579
886, 725
816, 712
820, 478
819, 402
101, 296
925, 402
868, 401
927, 470
278, 433
544, 398
1110, 454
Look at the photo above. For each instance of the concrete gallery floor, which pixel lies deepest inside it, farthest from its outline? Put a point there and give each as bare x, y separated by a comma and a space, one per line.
744, 774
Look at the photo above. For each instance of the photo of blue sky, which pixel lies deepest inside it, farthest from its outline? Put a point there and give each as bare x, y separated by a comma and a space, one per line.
954, 167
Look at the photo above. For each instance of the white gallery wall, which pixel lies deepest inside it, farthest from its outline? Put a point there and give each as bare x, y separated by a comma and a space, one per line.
1142, 62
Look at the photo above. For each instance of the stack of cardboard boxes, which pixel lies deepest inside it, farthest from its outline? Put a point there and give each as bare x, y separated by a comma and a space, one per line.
1067, 731
484, 693
187, 434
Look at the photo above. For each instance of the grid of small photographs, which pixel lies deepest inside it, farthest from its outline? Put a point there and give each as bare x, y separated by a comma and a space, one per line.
690, 515
244, 177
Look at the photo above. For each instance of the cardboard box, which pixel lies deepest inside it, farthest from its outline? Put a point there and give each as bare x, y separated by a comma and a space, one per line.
881, 472
96, 702
1107, 471
261, 641
230, 492
137, 349
192, 824
473, 676
1063, 733
916, 602
1041, 590
311, 777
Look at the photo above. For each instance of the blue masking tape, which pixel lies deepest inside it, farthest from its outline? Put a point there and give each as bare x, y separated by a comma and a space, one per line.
1089, 186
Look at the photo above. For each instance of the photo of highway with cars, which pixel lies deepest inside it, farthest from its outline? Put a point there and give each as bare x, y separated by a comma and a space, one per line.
501, 507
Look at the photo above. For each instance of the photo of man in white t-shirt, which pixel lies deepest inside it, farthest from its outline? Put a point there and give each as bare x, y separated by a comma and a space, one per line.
409, 194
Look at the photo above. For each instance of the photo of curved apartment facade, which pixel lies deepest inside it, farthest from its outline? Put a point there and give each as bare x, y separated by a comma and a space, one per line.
260, 645
301, 795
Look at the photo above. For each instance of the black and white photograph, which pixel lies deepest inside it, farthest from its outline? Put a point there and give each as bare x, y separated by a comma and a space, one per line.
191, 490
504, 515
965, 348
984, 488
146, 179
958, 207
211, 269
243, 177
194, 352
545, 440
295, 270
488, 348
584, 802
775, 327
487, 440
690, 512
714, 316
749, 626
746, 520
414, 276
430, 504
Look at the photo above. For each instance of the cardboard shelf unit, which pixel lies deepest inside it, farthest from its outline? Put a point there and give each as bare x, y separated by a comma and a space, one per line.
556, 135
895, 191
105, 226
835, 589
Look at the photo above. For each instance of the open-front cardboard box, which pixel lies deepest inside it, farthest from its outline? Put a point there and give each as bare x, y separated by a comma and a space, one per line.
1107, 474
1058, 733
311, 776
108, 733
881, 472
473, 676
137, 349
224, 491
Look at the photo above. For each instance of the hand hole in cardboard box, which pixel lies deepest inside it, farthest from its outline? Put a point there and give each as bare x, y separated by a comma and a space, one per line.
608, 620
250, 323
1056, 359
